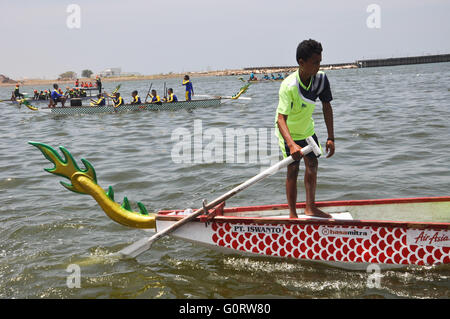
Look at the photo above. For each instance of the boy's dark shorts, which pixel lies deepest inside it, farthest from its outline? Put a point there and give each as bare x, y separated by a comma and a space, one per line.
303, 143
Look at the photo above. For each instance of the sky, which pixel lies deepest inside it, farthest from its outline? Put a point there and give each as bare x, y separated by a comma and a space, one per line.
152, 37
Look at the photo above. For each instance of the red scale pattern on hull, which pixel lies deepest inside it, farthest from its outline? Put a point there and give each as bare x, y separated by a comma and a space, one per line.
384, 244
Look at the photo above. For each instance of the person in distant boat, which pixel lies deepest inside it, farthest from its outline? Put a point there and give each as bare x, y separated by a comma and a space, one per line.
117, 99
272, 76
266, 77
172, 97
100, 101
136, 99
56, 97
294, 122
77, 83
155, 99
36, 95
252, 77
280, 77
98, 82
16, 93
189, 88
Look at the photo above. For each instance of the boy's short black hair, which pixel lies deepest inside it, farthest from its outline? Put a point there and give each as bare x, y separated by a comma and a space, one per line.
55, 86
134, 92
307, 48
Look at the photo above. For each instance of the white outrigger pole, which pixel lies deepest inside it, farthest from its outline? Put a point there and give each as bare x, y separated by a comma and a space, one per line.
144, 244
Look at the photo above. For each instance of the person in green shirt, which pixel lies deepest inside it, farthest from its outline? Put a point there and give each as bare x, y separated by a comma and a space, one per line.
294, 122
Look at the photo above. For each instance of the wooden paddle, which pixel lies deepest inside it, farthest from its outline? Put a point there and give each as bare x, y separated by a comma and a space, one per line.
144, 244
151, 84
165, 95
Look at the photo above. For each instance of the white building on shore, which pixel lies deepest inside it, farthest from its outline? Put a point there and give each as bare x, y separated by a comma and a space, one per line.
111, 72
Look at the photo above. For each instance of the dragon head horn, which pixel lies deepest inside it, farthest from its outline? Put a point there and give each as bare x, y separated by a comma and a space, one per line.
66, 167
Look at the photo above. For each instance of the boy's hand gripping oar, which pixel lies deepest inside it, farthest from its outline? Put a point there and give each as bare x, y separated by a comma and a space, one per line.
144, 244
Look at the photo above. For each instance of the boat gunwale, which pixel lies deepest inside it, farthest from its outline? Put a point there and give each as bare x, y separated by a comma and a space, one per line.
309, 221
163, 215
357, 202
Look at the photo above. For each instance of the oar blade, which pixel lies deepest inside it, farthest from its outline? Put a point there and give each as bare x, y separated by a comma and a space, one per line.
137, 248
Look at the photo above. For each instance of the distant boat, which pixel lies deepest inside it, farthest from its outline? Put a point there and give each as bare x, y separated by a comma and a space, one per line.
260, 80
163, 106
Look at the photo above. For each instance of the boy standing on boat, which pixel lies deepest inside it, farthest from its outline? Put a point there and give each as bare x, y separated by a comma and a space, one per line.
189, 87
294, 123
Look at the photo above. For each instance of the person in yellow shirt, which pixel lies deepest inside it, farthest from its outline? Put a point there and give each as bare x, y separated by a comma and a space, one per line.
155, 98
117, 99
136, 99
189, 88
172, 97
100, 102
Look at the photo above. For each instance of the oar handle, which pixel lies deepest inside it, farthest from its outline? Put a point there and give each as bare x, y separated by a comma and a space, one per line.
270, 171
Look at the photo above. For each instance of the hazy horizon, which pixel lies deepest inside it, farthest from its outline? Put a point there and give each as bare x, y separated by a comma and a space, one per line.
177, 36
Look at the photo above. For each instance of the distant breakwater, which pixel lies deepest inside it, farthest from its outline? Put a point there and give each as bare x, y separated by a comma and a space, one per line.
404, 60
362, 63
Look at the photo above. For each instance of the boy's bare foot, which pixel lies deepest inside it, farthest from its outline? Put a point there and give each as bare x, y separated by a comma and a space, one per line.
314, 211
293, 215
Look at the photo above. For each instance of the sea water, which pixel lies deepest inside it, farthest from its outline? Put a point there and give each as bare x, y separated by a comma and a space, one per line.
392, 139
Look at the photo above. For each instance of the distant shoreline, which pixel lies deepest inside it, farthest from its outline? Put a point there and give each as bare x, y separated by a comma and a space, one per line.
37, 82
245, 71
32, 82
